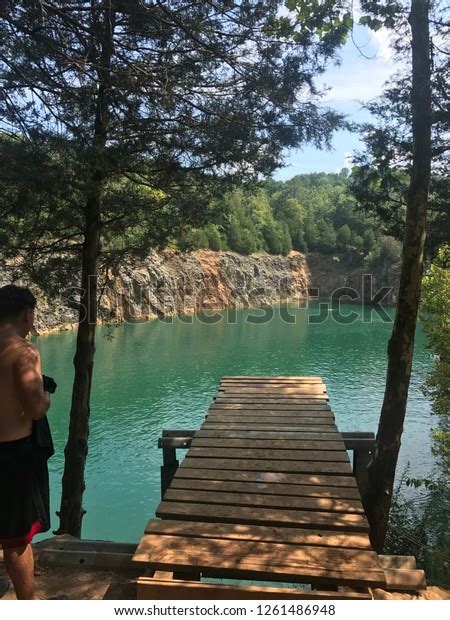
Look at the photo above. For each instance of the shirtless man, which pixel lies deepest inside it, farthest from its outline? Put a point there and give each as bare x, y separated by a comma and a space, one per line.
23, 476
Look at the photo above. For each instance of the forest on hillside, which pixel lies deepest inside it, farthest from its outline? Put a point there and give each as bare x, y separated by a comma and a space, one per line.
310, 212
315, 212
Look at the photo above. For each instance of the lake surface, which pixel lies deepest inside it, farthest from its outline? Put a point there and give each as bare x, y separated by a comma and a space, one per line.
162, 375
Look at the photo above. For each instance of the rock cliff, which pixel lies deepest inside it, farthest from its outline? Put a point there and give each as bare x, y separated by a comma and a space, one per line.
170, 282
330, 274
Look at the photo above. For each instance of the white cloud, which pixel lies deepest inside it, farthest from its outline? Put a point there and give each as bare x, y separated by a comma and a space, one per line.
367, 63
348, 156
382, 42
358, 81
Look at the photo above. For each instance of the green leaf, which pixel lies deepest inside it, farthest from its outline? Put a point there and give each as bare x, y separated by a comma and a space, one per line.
376, 24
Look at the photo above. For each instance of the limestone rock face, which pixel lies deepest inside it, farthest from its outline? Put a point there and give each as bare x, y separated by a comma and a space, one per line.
169, 282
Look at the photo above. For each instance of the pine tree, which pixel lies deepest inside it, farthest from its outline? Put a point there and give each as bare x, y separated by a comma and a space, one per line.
133, 109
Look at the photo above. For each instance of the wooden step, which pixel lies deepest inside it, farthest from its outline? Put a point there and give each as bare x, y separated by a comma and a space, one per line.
259, 516
323, 456
316, 406
263, 477
257, 560
285, 444
158, 588
271, 488
398, 561
262, 533
264, 500
268, 465
404, 580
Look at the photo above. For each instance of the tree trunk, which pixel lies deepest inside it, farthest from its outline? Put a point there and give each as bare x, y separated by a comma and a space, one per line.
400, 348
71, 512
76, 450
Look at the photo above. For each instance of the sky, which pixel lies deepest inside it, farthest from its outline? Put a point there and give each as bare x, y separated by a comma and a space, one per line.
360, 77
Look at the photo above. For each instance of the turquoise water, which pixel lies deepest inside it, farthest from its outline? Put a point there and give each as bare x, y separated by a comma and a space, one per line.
157, 375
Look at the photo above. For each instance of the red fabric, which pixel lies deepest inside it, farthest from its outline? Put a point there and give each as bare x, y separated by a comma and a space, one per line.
22, 541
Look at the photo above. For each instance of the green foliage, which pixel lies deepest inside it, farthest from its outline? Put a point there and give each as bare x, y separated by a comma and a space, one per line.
332, 20
386, 252
419, 521
308, 212
343, 236
368, 241
419, 525
326, 237
435, 318
216, 241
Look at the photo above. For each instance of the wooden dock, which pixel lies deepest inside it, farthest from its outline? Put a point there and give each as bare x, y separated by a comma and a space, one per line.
266, 493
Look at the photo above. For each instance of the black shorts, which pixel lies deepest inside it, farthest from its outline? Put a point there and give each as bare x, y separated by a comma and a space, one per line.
24, 493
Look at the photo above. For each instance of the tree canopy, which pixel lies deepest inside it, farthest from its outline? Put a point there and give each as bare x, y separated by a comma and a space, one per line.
380, 176
129, 113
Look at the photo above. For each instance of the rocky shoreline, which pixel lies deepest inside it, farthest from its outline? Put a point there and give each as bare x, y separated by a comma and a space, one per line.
169, 282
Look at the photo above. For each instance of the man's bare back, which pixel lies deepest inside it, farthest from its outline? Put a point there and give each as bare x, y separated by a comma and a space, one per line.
20, 383
14, 423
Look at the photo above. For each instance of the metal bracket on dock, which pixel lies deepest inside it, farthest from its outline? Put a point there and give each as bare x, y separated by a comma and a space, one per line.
360, 443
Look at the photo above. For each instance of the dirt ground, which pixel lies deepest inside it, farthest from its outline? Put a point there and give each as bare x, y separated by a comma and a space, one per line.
79, 584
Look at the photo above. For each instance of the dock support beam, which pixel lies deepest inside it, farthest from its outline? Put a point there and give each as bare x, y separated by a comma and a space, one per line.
363, 445
168, 468
169, 442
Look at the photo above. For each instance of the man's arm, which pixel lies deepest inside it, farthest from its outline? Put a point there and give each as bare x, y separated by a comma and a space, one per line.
29, 384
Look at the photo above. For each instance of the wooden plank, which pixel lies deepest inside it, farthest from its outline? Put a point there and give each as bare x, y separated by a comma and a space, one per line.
403, 579
303, 428
398, 561
313, 379
264, 419
267, 443
261, 477
257, 552
305, 467
259, 380
286, 418
263, 561
273, 488
243, 419
275, 416
235, 397
320, 504
261, 533
224, 385
275, 391
269, 454
256, 515
149, 588
278, 435
318, 406
253, 380
269, 402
